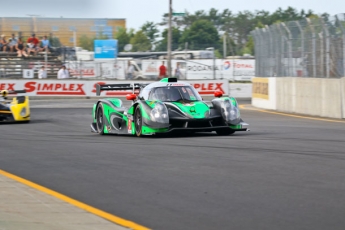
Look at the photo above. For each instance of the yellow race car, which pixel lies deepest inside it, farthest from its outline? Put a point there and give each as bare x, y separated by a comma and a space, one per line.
15, 110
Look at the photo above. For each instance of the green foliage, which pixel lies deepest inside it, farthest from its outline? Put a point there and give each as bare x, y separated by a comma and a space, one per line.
86, 42
175, 40
123, 38
150, 30
200, 29
202, 34
140, 42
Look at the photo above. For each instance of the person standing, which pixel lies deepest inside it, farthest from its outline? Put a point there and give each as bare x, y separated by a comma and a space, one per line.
63, 73
162, 71
42, 73
178, 71
130, 71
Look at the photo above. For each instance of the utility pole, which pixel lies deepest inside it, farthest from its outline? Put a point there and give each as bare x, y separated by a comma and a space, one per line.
169, 39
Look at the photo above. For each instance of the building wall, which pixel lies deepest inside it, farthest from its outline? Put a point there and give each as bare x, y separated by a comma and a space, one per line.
63, 28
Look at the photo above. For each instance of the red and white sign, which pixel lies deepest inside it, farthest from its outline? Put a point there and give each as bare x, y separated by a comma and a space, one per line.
88, 88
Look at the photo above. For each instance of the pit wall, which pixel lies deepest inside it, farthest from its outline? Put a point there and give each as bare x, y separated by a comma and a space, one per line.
310, 96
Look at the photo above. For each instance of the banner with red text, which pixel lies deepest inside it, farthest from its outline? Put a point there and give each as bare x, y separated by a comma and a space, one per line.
88, 88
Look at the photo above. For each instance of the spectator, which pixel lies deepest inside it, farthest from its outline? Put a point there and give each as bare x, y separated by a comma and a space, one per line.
178, 71
20, 48
63, 73
45, 44
130, 71
162, 71
31, 48
33, 40
42, 73
3, 43
13, 43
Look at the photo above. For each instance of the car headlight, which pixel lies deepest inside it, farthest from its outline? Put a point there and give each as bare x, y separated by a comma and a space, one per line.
230, 112
23, 112
159, 113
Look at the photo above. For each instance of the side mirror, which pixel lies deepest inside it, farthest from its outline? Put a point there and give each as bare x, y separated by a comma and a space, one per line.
131, 97
218, 93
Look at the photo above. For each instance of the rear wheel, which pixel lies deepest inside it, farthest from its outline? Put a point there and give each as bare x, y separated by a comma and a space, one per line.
100, 119
225, 132
138, 120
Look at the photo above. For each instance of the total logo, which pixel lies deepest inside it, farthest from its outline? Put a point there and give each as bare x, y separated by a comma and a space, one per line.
227, 65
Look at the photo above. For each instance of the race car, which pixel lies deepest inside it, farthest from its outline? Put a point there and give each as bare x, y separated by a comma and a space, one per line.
164, 107
15, 110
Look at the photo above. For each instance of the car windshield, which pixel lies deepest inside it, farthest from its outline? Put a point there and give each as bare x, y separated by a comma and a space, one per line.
174, 93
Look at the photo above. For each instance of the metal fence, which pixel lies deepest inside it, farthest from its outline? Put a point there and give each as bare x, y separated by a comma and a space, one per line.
312, 47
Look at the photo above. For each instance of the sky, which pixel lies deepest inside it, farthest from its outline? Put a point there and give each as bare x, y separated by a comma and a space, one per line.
137, 12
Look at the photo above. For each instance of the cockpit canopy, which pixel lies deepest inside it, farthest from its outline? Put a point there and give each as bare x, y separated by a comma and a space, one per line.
174, 93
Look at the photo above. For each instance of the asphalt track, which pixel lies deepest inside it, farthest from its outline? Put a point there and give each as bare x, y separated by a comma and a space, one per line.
286, 173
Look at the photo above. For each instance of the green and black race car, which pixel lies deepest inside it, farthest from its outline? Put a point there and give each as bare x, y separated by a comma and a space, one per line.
162, 107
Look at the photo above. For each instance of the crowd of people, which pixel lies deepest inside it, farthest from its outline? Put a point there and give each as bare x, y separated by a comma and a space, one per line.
32, 47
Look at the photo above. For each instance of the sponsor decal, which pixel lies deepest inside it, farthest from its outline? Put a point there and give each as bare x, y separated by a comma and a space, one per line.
243, 66
129, 126
208, 88
83, 72
151, 68
202, 67
7, 86
192, 109
227, 65
261, 88
55, 88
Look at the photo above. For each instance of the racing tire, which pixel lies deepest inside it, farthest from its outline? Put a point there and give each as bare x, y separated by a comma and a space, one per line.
225, 132
138, 121
100, 119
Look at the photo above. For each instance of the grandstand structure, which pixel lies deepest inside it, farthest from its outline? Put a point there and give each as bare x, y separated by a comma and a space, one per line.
64, 29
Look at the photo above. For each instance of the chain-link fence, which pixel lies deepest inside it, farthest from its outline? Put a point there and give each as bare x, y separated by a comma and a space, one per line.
313, 47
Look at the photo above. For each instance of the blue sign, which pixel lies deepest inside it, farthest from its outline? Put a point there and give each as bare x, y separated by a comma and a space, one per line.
105, 48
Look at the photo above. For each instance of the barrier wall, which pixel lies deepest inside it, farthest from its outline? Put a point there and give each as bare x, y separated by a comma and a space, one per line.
87, 88
264, 92
311, 96
342, 91
240, 90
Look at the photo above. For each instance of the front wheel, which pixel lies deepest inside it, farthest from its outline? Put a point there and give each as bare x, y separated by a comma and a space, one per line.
100, 119
138, 119
225, 132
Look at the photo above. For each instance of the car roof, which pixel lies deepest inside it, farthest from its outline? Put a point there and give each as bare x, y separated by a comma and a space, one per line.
164, 82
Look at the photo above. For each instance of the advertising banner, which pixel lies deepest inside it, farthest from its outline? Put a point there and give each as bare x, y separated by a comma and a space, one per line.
105, 49
88, 88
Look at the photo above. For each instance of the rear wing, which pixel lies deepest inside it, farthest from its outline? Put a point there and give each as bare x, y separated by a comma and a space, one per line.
106, 87
4, 93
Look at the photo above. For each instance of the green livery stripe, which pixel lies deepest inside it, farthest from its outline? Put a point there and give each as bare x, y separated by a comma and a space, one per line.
236, 126
148, 130
143, 112
195, 109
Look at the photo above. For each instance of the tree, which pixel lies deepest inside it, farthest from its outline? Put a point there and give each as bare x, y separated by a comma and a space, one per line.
150, 30
140, 42
86, 42
123, 38
175, 40
200, 35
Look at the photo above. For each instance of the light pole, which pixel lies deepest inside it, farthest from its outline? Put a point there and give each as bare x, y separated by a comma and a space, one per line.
169, 39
